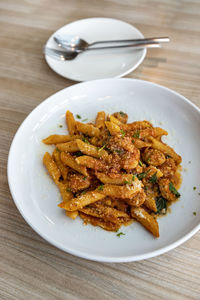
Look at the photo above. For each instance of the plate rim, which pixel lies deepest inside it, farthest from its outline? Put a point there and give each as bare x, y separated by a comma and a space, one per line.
78, 253
94, 18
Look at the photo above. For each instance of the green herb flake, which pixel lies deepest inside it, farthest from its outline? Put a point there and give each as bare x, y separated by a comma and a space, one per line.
168, 156
85, 140
68, 190
194, 188
133, 178
118, 151
148, 160
161, 204
122, 113
126, 182
120, 233
142, 175
100, 187
102, 147
136, 134
58, 150
78, 153
140, 163
83, 192
61, 126
174, 190
153, 178
85, 177
123, 133
133, 141
194, 213
78, 116
84, 120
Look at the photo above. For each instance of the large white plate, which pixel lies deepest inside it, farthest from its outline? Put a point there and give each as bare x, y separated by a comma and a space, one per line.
99, 64
37, 197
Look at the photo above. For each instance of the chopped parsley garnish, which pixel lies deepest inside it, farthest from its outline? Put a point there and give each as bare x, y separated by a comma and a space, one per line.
161, 204
84, 120
85, 140
136, 134
78, 153
78, 116
153, 178
126, 182
60, 126
122, 113
148, 160
85, 177
194, 213
102, 147
142, 175
68, 190
133, 178
133, 141
174, 190
123, 133
120, 233
194, 188
58, 150
118, 151
100, 187
168, 156
140, 163
83, 192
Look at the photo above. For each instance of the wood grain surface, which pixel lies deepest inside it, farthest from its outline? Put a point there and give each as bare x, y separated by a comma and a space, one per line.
30, 268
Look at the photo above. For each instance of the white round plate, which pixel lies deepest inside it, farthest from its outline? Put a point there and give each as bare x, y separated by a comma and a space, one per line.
37, 197
100, 64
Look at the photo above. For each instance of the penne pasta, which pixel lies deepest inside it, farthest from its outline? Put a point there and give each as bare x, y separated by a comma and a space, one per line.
72, 214
116, 191
68, 147
63, 169
69, 161
87, 129
118, 179
91, 150
90, 162
51, 167
81, 201
113, 128
146, 220
100, 120
71, 123
56, 139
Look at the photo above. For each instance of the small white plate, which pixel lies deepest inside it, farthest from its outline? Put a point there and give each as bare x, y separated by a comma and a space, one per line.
100, 64
37, 197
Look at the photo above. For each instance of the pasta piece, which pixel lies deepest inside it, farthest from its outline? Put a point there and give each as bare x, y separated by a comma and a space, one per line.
154, 131
87, 129
90, 162
68, 160
56, 139
167, 150
164, 186
51, 167
81, 201
137, 199
66, 194
121, 116
71, 123
115, 120
100, 120
150, 203
146, 220
68, 147
91, 150
140, 144
138, 125
72, 214
113, 128
115, 191
107, 225
118, 179
106, 213
61, 166
78, 182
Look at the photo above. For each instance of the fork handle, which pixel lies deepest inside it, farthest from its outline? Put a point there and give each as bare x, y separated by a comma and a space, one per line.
151, 39
136, 46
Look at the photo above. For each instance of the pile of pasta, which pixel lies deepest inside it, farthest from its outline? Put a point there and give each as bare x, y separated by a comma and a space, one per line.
113, 172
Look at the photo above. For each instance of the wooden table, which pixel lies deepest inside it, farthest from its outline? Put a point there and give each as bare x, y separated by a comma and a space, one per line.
30, 268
